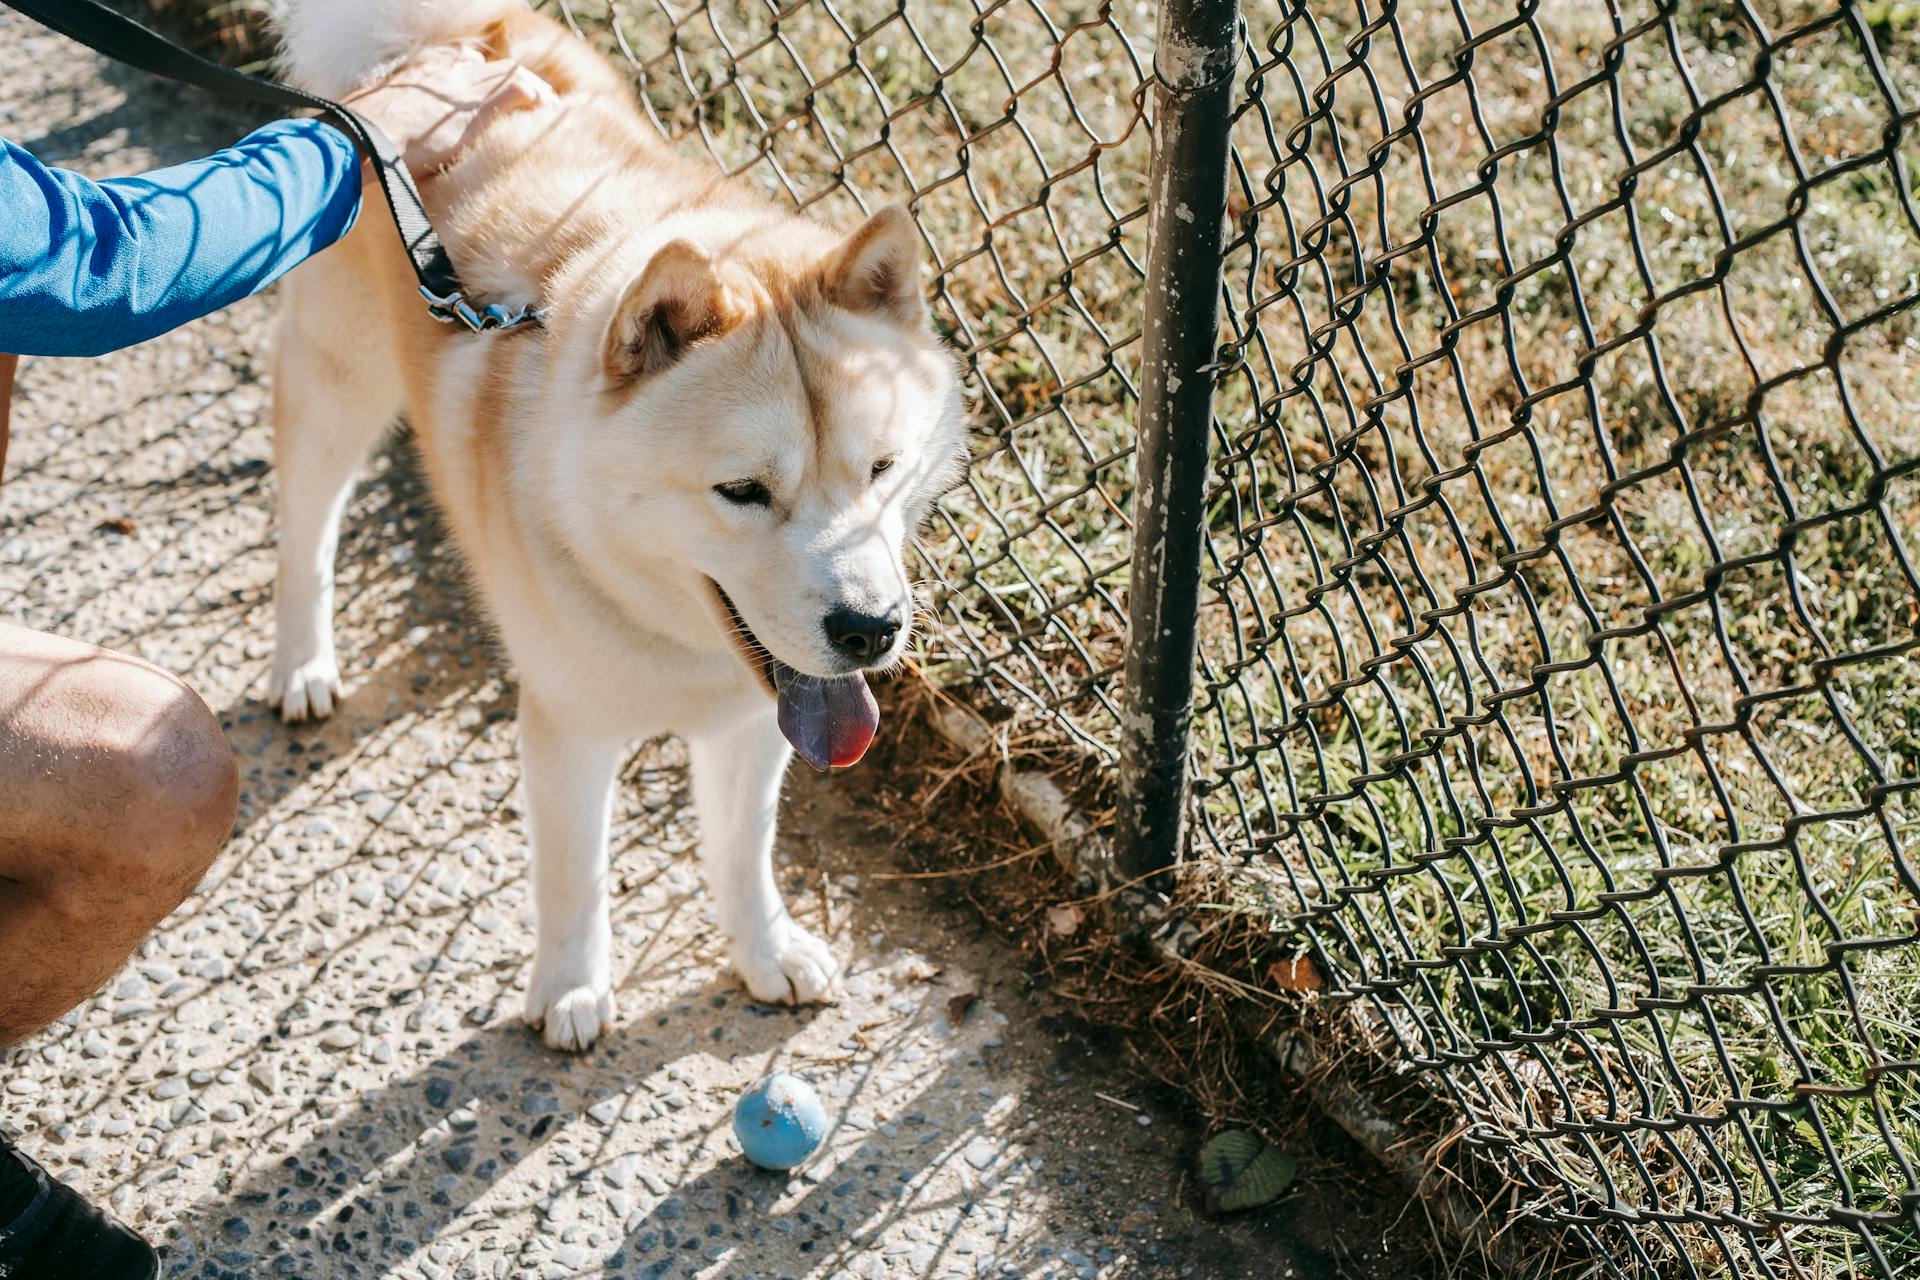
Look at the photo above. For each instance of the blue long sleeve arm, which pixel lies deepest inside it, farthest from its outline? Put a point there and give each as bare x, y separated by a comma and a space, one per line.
89, 267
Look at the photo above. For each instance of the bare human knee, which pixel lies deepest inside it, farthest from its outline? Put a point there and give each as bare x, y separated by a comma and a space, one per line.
119, 790
183, 788
136, 789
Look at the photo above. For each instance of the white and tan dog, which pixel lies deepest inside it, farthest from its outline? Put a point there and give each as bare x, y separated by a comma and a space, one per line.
685, 501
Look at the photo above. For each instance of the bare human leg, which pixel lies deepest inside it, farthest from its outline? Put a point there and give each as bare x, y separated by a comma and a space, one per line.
118, 789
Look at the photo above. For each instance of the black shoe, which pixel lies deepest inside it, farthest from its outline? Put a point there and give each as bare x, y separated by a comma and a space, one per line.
47, 1232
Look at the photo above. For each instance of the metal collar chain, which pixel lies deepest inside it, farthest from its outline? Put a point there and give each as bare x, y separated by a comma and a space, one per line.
453, 308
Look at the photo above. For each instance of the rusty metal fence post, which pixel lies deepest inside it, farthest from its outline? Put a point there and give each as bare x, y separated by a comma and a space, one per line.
1193, 62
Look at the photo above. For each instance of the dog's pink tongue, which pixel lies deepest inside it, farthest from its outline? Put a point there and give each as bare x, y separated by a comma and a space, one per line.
829, 722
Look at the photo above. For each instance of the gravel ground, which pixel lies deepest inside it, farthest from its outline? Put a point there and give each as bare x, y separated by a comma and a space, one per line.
316, 1066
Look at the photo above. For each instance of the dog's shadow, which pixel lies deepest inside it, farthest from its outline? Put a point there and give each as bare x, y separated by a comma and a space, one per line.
391, 1168
482, 1155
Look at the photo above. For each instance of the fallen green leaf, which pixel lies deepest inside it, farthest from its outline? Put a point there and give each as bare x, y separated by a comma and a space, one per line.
1241, 1170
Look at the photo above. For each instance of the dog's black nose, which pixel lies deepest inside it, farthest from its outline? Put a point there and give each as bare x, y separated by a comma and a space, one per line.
862, 636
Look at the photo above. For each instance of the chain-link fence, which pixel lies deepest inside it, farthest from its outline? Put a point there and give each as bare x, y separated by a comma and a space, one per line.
1557, 670
1556, 611
1563, 605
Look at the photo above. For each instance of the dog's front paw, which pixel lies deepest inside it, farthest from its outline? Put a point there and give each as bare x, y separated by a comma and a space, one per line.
786, 965
305, 689
569, 1016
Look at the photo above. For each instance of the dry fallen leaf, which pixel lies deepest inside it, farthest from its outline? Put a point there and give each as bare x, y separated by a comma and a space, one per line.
958, 1006
1296, 974
1063, 920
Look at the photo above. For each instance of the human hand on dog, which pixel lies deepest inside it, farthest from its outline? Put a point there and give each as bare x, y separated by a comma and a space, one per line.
437, 102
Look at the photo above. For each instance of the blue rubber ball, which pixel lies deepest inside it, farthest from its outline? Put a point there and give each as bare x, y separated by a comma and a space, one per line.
779, 1121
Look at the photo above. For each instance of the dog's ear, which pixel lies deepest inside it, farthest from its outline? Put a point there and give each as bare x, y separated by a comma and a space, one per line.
877, 270
676, 301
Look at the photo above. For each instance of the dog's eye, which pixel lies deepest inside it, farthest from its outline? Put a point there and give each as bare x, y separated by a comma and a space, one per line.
881, 467
745, 493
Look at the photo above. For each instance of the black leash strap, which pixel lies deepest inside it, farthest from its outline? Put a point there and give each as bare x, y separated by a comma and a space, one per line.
119, 37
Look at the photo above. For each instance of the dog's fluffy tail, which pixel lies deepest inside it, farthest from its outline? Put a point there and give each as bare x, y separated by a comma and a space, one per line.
332, 47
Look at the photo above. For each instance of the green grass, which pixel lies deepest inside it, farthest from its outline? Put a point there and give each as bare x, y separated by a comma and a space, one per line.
1400, 703
1376, 714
